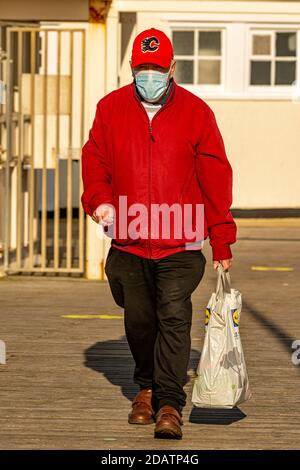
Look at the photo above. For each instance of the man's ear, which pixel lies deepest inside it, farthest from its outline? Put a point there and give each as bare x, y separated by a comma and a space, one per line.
173, 68
132, 73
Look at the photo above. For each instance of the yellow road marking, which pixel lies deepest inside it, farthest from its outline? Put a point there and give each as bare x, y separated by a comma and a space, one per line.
92, 317
266, 268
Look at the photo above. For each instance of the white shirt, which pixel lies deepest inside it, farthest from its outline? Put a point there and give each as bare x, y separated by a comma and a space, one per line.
151, 108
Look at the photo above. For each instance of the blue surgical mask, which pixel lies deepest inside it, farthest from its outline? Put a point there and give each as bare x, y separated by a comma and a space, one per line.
151, 84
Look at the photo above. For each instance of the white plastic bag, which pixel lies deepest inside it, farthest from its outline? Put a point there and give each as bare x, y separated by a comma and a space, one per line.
222, 380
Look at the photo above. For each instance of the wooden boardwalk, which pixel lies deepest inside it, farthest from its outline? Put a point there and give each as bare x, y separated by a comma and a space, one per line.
67, 383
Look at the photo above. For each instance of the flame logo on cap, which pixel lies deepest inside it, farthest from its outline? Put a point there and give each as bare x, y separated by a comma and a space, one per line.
150, 44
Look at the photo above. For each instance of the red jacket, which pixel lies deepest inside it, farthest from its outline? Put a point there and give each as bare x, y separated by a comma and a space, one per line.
178, 158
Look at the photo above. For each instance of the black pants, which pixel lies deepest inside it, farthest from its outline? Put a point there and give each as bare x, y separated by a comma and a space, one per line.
156, 297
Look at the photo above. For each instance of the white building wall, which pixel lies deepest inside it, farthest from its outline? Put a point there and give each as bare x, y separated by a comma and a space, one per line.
260, 127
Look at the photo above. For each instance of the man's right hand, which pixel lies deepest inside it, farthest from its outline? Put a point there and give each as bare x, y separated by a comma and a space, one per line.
104, 215
226, 263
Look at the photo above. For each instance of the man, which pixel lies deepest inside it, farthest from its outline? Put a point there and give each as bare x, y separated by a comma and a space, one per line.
153, 143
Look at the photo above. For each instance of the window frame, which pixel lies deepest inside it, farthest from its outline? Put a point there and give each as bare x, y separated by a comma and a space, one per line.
272, 89
236, 46
203, 88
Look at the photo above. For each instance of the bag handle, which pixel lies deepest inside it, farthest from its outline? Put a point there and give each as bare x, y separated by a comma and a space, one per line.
223, 282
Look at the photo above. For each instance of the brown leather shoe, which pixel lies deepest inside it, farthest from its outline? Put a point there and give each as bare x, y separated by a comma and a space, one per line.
142, 411
168, 423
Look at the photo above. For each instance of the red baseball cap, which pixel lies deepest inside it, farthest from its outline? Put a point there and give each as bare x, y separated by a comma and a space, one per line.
152, 46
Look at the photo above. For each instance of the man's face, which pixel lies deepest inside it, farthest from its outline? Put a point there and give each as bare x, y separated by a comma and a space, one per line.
150, 66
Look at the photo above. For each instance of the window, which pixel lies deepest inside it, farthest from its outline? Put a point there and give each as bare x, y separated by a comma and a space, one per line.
237, 59
273, 58
198, 55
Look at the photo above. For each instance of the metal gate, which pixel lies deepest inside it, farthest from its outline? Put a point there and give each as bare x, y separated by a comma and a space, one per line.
42, 83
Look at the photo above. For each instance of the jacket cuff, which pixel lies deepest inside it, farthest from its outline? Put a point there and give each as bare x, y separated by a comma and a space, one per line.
221, 252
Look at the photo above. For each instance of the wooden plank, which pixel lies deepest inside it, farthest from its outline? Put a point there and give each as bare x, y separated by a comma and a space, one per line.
68, 382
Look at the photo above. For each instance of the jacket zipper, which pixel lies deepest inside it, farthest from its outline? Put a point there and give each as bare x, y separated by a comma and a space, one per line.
149, 191
149, 165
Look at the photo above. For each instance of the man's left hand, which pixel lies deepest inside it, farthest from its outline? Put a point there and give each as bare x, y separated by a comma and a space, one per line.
226, 263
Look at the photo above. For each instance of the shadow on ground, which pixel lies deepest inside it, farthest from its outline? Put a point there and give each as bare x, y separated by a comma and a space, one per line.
113, 359
216, 415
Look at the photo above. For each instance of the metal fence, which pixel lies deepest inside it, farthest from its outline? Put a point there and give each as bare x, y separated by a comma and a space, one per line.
42, 73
